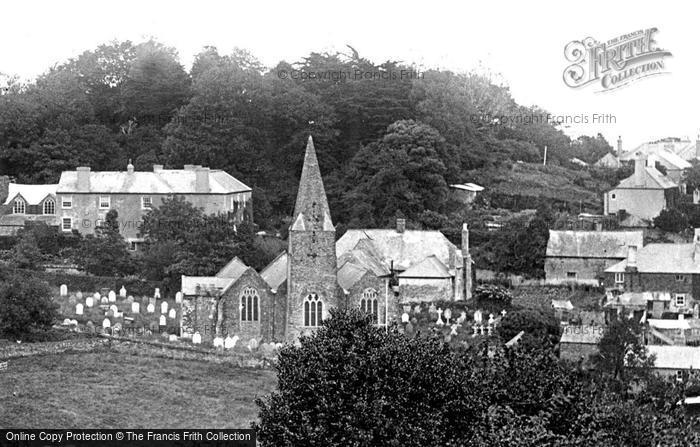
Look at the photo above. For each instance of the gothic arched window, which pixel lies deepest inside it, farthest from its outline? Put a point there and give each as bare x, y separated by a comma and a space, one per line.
249, 304
49, 206
19, 206
313, 310
369, 304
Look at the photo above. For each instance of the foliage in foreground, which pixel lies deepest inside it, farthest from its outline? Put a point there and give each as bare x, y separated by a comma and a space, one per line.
25, 306
351, 384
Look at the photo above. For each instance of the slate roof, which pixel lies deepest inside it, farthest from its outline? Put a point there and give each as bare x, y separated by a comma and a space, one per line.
592, 244
311, 204
608, 161
684, 149
404, 249
663, 258
668, 324
233, 270
653, 179
32, 194
584, 334
190, 284
349, 274
430, 267
675, 357
275, 274
473, 187
164, 181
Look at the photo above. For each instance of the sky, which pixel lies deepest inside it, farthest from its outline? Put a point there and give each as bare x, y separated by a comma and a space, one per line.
522, 41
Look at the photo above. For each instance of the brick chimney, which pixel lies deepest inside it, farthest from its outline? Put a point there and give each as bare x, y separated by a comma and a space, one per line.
83, 178
201, 179
640, 163
631, 259
157, 168
400, 225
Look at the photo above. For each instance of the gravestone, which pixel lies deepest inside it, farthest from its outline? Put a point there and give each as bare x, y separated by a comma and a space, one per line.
161, 320
503, 313
156, 294
491, 319
106, 323
104, 300
63, 290
417, 309
432, 310
462, 317
406, 308
152, 301
229, 342
172, 337
447, 314
118, 314
164, 307
196, 338
439, 321
114, 309
96, 296
135, 308
476, 329
66, 322
267, 349
89, 302
178, 297
172, 314
79, 309
252, 344
218, 342
405, 318
151, 308
79, 295
454, 329
122, 292
112, 296
477, 316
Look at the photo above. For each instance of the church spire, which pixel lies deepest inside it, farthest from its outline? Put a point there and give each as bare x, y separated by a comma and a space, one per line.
311, 211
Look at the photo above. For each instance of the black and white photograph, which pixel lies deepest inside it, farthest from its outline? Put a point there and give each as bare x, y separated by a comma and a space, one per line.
355, 224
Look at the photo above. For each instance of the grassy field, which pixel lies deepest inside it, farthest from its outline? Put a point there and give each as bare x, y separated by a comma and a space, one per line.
111, 390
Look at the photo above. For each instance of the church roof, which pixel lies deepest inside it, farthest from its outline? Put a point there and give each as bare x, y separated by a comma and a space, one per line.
234, 269
405, 248
197, 285
349, 274
430, 267
275, 274
311, 209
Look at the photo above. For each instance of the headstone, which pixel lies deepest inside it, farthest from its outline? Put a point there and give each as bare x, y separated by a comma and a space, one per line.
454, 329
66, 322
417, 309
161, 320
106, 323
172, 314
63, 290
104, 300
172, 337
114, 309
151, 308
503, 313
405, 318
152, 301
112, 296
79, 309
118, 314
481, 329
439, 321
477, 316
252, 344
490, 329
462, 317
164, 307
407, 308
79, 295
122, 292
476, 328
135, 308
218, 342
145, 300
73, 322
89, 302
178, 297
431, 309
196, 338
96, 296
229, 342
491, 319
156, 294
447, 314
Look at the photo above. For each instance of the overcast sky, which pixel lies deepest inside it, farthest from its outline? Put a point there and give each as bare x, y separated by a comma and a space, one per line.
522, 42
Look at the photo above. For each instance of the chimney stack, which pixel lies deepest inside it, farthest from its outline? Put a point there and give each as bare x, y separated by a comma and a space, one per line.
157, 168
400, 225
639, 169
619, 145
631, 259
83, 178
201, 179
130, 167
599, 226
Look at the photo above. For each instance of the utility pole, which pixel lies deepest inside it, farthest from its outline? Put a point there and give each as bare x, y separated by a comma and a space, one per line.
544, 162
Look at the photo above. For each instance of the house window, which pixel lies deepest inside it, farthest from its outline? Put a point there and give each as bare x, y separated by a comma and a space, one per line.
49, 206
67, 224
146, 203
19, 207
369, 304
67, 202
680, 300
680, 278
104, 202
612, 196
313, 310
571, 275
619, 278
249, 304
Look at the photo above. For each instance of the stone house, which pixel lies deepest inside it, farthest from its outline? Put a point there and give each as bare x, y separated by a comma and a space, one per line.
579, 343
680, 362
581, 257
84, 197
667, 274
375, 270
644, 194
26, 203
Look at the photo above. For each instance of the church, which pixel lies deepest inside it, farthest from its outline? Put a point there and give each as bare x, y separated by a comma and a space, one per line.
376, 270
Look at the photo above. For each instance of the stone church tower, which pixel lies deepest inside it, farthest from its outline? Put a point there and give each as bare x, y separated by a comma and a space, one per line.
311, 277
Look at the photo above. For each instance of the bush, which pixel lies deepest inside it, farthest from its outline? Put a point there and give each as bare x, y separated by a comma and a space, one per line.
492, 295
25, 306
540, 326
671, 220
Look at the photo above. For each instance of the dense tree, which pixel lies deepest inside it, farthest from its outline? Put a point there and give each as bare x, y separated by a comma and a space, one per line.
673, 220
621, 350
105, 253
25, 305
539, 326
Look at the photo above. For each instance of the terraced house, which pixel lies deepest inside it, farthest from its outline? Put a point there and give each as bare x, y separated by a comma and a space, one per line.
84, 197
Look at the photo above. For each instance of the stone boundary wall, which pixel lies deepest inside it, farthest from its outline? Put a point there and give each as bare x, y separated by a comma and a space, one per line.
137, 347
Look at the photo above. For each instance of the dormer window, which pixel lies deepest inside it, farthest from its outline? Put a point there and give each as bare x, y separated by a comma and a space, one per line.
49, 206
19, 206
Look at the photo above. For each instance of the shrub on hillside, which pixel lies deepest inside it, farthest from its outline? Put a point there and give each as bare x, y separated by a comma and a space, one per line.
25, 306
671, 220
